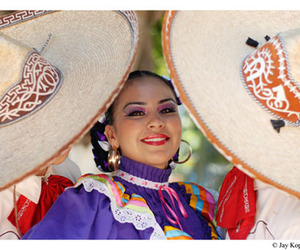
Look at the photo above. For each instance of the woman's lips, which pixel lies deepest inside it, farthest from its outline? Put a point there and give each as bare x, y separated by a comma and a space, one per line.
155, 140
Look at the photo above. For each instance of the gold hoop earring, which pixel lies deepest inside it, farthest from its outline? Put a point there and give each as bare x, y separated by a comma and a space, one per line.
113, 159
188, 157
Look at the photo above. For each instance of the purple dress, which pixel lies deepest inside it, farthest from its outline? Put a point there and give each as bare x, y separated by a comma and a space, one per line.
137, 202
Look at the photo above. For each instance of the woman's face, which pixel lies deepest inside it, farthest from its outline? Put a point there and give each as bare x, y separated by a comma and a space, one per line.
147, 126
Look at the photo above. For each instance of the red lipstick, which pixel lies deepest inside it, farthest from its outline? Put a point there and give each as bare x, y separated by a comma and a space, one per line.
155, 140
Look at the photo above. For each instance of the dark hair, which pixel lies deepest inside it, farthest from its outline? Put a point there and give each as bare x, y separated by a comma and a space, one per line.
135, 75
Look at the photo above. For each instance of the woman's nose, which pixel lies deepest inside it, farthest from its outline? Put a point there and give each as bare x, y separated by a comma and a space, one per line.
155, 121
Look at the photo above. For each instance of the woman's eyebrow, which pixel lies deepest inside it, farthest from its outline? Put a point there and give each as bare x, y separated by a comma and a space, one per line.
134, 103
166, 100
144, 103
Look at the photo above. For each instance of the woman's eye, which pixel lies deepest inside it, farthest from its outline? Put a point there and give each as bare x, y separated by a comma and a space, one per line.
168, 110
132, 111
136, 113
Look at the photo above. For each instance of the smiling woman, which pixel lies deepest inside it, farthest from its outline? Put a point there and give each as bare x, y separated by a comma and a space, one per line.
142, 132
146, 122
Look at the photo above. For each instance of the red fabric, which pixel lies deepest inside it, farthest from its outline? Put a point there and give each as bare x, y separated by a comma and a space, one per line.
30, 213
237, 204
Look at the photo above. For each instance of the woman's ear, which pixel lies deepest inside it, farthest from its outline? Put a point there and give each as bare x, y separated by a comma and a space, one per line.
111, 136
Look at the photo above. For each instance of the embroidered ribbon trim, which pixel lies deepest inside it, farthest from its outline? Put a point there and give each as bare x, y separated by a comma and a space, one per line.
139, 181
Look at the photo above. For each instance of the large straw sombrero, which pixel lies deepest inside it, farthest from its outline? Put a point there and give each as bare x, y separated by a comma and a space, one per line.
233, 90
48, 100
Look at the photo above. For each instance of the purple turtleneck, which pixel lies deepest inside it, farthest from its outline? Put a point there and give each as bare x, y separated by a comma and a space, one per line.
194, 225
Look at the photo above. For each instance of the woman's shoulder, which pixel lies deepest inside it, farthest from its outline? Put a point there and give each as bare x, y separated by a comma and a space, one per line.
103, 183
200, 198
96, 177
106, 185
131, 208
197, 190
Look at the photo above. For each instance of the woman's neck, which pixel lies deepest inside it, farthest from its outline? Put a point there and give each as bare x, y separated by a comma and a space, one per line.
144, 171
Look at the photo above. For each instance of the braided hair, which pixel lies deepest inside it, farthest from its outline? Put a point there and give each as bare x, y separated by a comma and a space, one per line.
100, 145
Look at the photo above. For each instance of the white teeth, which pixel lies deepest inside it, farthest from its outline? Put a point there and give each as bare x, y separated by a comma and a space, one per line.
155, 139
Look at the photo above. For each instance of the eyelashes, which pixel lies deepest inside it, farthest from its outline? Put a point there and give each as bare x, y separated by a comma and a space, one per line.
167, 108
134, 110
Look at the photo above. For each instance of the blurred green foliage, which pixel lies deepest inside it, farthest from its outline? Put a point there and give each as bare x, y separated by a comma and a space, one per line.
206, 167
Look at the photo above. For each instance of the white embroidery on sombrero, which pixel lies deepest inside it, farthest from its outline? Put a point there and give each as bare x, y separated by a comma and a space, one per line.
19, 16
39, 82
265, 74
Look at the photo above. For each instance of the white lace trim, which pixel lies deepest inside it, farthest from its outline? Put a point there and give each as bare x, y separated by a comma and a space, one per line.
124, 214
139, 181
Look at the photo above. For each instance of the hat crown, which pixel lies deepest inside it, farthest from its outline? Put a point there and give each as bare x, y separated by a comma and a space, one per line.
28, 81
12, 56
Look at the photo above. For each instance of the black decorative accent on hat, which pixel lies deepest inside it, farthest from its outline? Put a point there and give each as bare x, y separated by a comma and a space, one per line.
277, 124
267, 38
46, 43
252, 42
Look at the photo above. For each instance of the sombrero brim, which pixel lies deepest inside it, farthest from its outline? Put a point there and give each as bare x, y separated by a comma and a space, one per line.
94, 50
204, 51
